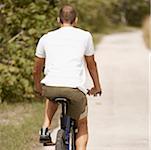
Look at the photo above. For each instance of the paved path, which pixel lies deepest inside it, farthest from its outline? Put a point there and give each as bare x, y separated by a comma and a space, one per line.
119, 119
120, 122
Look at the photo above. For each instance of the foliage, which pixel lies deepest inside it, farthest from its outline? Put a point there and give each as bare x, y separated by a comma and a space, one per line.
24, 22
132, 11
147, 31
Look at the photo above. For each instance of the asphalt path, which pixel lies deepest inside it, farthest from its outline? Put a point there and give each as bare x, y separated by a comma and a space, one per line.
119, 119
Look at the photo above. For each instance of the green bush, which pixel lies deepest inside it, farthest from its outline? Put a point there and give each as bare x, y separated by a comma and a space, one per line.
23, 23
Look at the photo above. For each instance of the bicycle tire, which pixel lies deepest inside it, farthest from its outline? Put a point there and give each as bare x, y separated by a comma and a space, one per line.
60, 142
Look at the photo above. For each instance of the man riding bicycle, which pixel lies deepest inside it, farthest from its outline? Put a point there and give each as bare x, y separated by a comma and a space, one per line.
63, 52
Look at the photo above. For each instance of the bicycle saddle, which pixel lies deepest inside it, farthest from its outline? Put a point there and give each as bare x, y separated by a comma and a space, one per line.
61, 99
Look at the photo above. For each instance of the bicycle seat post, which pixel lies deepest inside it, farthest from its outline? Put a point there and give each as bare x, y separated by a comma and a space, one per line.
64, 108
64, 105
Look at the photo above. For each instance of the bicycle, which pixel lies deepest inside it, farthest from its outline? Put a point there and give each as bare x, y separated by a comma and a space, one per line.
66, 135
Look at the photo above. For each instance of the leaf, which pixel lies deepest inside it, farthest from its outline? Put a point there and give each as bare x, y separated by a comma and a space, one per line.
40, 17
32, 31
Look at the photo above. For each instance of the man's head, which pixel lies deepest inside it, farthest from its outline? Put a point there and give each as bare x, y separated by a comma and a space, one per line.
67, 15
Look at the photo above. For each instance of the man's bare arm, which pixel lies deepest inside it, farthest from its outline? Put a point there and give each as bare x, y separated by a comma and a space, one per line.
37, 71
92, 68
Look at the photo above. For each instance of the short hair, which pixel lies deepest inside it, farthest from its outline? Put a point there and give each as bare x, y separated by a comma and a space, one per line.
67, 14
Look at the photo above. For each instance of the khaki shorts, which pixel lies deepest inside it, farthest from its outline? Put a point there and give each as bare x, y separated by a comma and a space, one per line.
77, 107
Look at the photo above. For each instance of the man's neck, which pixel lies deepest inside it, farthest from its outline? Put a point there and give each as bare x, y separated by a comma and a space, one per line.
66, 25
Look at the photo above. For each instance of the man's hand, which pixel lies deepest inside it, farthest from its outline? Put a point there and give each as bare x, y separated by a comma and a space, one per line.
38, 90
95, 91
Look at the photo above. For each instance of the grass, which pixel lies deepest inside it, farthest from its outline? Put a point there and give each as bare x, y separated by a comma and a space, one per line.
119, 28
20, 130
20, 124
114, 29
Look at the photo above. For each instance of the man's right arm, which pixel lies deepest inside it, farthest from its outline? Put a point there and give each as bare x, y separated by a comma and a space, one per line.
92, 68
37, 71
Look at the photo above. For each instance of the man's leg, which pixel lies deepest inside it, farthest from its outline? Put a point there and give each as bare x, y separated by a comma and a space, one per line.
82, 135
50, 109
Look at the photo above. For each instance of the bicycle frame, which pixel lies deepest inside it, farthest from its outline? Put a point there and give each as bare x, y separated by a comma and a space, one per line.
67, 124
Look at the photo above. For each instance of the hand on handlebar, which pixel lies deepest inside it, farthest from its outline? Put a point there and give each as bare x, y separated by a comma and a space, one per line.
38, 91
95, 92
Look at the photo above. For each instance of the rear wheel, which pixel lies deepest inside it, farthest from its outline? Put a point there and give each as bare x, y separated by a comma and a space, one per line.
60, 142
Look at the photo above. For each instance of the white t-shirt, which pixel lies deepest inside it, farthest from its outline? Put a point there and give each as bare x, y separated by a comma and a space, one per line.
64, 50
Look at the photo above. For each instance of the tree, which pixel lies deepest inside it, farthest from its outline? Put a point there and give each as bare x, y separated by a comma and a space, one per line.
134, 11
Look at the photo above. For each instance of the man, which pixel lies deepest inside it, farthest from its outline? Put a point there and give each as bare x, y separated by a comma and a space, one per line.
63, 52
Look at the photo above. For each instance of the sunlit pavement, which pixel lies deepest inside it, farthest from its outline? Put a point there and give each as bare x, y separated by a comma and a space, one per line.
120, 120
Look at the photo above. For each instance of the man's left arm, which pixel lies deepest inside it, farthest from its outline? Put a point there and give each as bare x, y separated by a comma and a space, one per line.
37, 73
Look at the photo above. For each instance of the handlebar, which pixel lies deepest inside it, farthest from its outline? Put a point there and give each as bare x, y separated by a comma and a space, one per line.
96, 94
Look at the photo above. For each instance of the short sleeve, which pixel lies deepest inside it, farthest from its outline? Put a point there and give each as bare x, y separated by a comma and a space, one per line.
89, 46
40, 52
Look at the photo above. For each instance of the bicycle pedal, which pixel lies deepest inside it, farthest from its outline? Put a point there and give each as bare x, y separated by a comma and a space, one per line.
45, 141
49, 144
